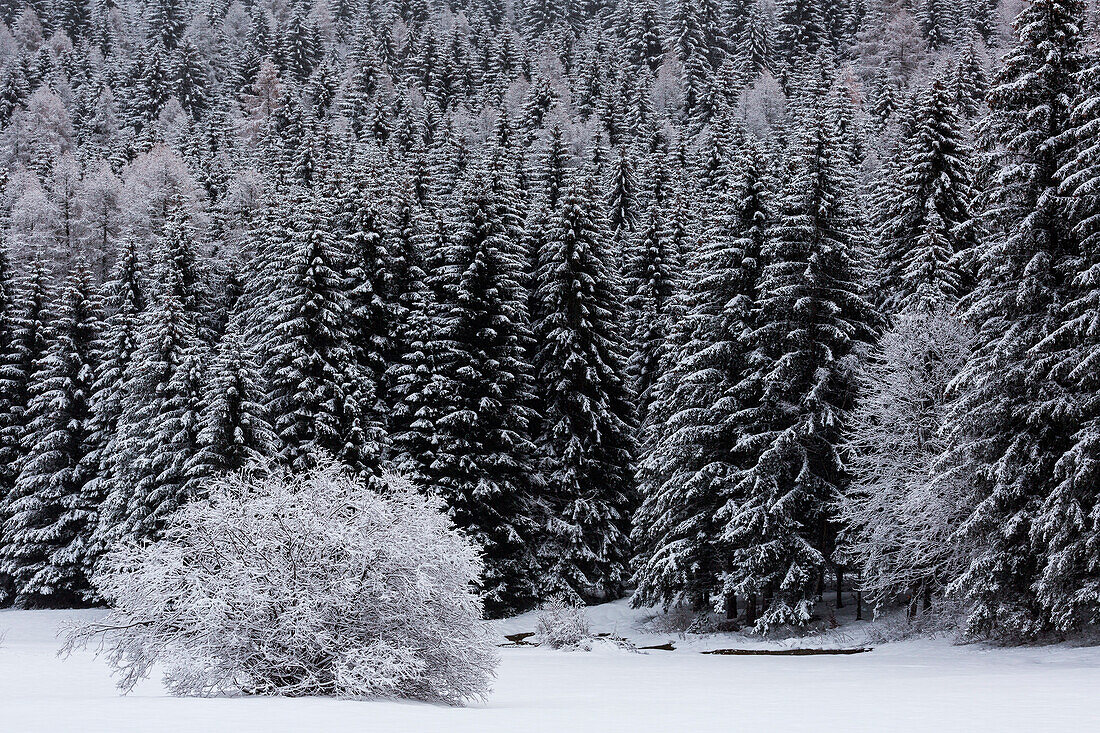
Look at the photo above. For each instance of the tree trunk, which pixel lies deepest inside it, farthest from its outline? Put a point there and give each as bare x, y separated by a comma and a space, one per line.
839, 587
731, 606
859, 605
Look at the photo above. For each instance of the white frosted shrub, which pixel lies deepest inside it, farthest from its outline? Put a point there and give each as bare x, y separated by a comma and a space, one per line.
307, 585
561, 625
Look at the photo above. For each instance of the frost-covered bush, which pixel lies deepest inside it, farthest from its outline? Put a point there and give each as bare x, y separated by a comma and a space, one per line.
307, 585
561, 625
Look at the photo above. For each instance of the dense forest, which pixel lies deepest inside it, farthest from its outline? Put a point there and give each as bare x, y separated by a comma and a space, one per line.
724, 303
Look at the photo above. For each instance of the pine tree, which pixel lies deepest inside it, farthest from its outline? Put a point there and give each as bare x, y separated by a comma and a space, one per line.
1013, 419
589, 422
690, 451
167, 20
368, 282
28, 329
927, 235
10, 379
47, 527
652, 280
468, 440
811, 314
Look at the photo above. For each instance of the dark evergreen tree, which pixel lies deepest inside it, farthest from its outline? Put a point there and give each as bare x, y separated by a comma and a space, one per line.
47, 527
156, 435
233, 431
589, 422
311, 374
691, 452
468, 440
927, 236
1015, 416
1068, 523
125, 303
812, 313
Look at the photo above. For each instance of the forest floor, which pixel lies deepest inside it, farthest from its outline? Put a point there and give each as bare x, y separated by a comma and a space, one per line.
918, 685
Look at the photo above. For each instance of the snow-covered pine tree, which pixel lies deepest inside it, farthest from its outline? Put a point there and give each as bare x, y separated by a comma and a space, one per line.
125, 303
1068, 522
926, 238
368, 281
233, 432
812, 314
588, 427
310, 370
1012, 420
468, 434
27, 344
156, 435
47, 527
689, 453
9, 382
652, 279
408, 297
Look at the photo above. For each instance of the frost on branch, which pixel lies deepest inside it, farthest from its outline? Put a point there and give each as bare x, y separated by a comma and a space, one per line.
562, 625
300, 585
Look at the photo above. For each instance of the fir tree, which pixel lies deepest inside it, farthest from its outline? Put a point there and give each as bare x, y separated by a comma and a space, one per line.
157, 430
233, 431
125, 303
1013, 419
311, 374
28, 329
1067, 527
652, 276
927, 235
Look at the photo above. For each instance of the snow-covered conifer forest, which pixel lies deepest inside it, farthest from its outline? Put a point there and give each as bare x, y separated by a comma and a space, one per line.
744, 310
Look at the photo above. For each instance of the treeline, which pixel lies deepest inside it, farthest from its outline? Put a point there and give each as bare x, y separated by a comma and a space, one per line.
718, 301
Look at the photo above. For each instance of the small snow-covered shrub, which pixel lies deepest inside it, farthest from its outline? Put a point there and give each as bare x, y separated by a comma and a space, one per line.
308, 585
561, 625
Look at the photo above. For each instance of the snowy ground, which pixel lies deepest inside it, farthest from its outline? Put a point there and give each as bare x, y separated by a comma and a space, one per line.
909, 686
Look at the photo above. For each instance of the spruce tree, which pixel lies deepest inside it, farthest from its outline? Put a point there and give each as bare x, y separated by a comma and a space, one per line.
48, 527
28, 329
233, 431
652, 281
811, 314
1068, 523
468, 440
156, 435
125, 303
310, 370
690, 451
589, 421
1014, 417
927, 235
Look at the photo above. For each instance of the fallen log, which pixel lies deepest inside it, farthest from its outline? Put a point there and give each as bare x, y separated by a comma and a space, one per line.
667, 647
785, 652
